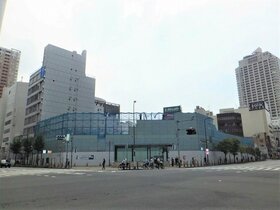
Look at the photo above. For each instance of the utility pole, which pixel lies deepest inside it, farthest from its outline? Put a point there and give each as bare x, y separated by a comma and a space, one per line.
206, 141
133, 149
177, 136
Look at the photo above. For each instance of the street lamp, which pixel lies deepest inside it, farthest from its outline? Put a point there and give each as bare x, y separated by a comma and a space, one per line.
177, 136
133, 148
206, 141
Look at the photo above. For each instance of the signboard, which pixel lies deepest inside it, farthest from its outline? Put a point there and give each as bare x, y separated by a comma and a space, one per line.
168, 116
259, 105
60, 137
85, 157
172, 109
42, 72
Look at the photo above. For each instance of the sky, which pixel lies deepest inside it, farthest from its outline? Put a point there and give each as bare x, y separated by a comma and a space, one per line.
158, 52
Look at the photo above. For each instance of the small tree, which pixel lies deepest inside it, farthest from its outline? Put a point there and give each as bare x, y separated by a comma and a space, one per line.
250, 150
15, 147
242, 150
234, 147
257, 153
27, 147
224, 147
38, 145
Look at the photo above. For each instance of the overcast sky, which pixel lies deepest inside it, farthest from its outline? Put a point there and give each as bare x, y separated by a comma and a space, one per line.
157, 52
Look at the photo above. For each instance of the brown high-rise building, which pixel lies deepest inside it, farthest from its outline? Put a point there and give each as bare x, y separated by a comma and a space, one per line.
9, 62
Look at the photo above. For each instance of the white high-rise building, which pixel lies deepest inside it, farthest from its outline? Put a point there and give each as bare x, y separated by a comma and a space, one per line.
58, 87
12, 110
258, 79
9, 62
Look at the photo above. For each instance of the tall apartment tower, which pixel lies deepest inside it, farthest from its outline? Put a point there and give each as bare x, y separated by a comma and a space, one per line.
9, 62
258, 79
58, 87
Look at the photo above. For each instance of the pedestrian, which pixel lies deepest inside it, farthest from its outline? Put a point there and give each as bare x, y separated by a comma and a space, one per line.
103, 164
172, 162
193, 164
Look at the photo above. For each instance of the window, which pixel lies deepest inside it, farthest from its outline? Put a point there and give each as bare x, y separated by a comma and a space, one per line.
7, 131
8, 122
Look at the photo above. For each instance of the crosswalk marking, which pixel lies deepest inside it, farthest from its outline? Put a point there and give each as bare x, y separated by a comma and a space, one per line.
238, 168
49, 172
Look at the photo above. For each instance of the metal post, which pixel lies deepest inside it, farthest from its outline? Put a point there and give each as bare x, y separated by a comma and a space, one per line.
72, 139
66, 165
109, 153
178, 145
177, 136
133, 148
206, 141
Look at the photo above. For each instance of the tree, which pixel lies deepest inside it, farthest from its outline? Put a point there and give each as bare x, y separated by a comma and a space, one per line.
257, 153
234, 147
15, 147
38, 145
242, 150
250, 150
224, 147
27, 147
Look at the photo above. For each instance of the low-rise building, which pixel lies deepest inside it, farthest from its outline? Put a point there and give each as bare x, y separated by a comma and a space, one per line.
96, 136
256, 123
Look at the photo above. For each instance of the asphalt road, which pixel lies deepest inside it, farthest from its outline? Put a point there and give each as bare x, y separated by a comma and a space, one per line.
171, 188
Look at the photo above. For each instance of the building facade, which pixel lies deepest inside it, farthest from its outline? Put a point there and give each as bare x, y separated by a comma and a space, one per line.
12, 115
258, 79
9, 62
230, 123
256, 123
95, 136
59, 86
102, 106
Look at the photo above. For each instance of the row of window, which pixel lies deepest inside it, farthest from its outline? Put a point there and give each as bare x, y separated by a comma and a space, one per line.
31, 119
32, 109
8, 122
33, 98
7, 131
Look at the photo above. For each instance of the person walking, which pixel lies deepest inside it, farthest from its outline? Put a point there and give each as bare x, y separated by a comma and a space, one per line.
103, 164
